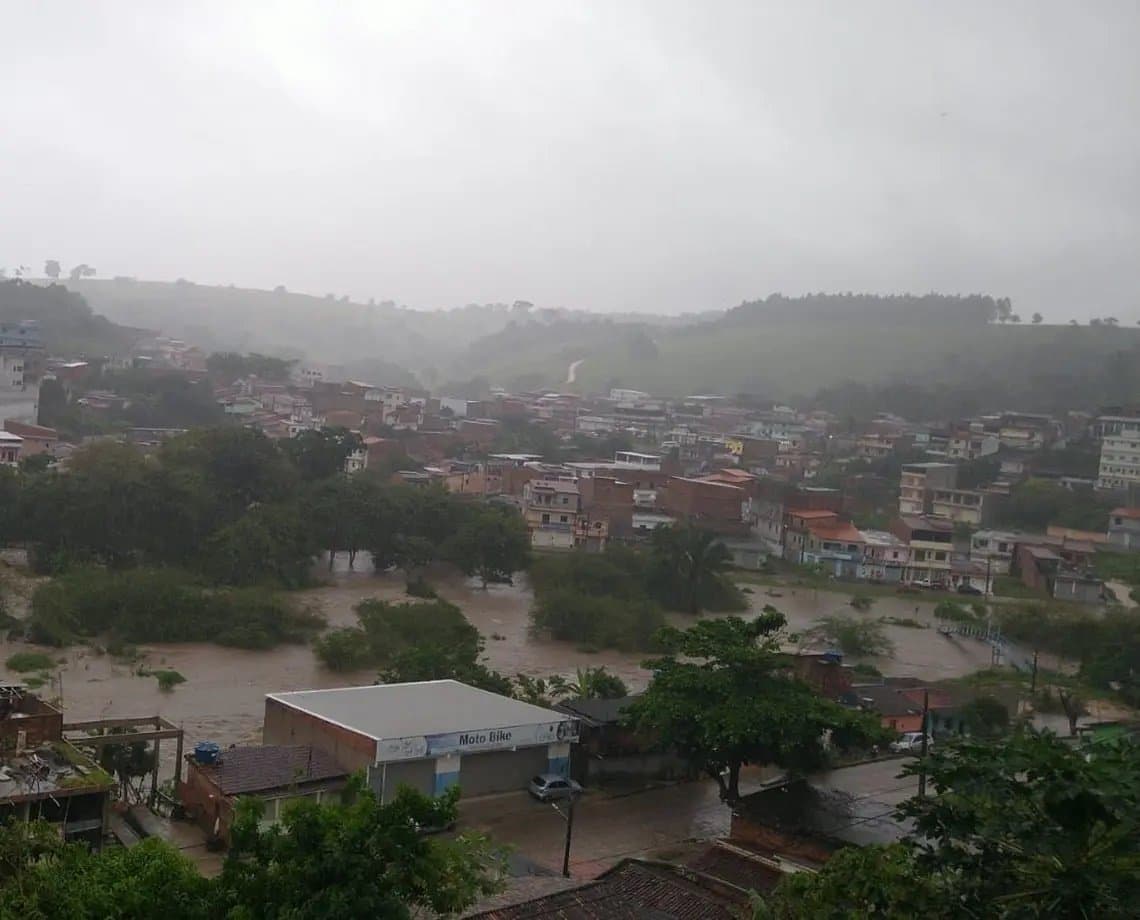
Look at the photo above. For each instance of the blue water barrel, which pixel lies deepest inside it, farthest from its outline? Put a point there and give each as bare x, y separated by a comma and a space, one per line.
206, 752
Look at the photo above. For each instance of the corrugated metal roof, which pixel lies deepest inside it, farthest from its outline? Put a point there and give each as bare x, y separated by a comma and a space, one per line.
432, 707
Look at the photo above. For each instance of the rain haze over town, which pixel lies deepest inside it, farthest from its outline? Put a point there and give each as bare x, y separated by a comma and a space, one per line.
504, 460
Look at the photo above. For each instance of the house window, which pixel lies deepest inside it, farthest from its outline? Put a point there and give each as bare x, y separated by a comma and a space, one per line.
546, 519
940, 557
564, 519
565, 499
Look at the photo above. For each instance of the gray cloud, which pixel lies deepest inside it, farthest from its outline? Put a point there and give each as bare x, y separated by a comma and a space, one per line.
635, 155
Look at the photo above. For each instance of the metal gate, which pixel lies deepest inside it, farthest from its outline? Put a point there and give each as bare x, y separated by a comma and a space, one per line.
500, 771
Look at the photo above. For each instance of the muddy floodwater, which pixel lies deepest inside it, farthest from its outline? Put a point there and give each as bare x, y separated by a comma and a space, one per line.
223, 697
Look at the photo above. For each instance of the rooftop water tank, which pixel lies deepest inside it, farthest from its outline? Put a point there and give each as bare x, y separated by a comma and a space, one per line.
206, 752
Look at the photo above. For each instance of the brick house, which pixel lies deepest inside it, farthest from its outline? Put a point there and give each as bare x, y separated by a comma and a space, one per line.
37, 438
714, 506
277, 774
1124, 528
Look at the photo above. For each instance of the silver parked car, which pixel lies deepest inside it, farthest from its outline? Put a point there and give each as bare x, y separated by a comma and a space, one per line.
549, 786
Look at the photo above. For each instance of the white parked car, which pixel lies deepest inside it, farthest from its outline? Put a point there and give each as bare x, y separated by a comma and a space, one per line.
911, 743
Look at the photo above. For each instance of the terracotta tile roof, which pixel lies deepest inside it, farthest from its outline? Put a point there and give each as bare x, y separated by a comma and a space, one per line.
242, 770
817, 515
1133, 513
736, 866
633, 890
840, 530
27, 430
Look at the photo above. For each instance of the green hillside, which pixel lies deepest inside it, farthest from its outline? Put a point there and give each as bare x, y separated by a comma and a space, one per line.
795, 354
374, 340
67, 323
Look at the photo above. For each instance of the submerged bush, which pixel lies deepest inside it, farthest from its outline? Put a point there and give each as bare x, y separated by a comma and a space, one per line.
22, 662
162, 605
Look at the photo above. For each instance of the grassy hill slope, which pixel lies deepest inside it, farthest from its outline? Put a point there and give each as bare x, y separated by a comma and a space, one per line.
67, 323
787, 356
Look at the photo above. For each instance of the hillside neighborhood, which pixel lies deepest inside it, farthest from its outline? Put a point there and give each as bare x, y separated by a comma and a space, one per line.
974, 514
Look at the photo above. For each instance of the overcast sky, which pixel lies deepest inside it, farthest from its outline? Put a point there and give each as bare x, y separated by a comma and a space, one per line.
606, 155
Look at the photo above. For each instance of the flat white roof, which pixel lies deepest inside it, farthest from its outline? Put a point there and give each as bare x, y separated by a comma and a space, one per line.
431, 707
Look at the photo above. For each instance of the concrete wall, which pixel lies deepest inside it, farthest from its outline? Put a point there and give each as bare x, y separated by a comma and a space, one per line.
40, 721
286, 725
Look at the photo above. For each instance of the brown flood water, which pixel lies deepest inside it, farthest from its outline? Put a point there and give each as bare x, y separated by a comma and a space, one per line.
223, 697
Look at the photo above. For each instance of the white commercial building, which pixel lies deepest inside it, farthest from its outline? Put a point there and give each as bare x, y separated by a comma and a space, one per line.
1120, 457
430, 735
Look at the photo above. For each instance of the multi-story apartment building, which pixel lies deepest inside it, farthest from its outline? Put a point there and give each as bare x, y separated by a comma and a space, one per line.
21, 366
994, 548
918, 479
885, 557
931, 543
1120, 457
963, 506
930, 489
551, 507
971, 444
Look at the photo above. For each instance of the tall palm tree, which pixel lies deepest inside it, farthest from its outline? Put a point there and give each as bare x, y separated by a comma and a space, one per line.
692, 559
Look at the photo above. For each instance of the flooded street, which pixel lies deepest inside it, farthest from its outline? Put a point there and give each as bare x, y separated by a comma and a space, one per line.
223, 697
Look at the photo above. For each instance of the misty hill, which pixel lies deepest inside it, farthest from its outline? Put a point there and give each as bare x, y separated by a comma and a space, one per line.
375, 340
930, 355
925, 355
67, 323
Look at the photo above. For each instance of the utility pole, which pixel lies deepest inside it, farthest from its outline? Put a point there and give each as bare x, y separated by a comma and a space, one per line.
569, 818
925, 735
1033, 679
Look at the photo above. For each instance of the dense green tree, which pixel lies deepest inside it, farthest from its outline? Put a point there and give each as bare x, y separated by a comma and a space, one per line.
320, 454
860, 882
361, 859
1028, 827
35, 463
54, 879
424, 640
1037, 503
986, 716
11, 523
270, 545
91, 513
599, 599
721, 696
342, 510
434, 661
356, 859
491, 542
240, 466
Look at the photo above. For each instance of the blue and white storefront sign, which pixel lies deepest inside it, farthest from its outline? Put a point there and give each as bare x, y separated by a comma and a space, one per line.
476, 740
